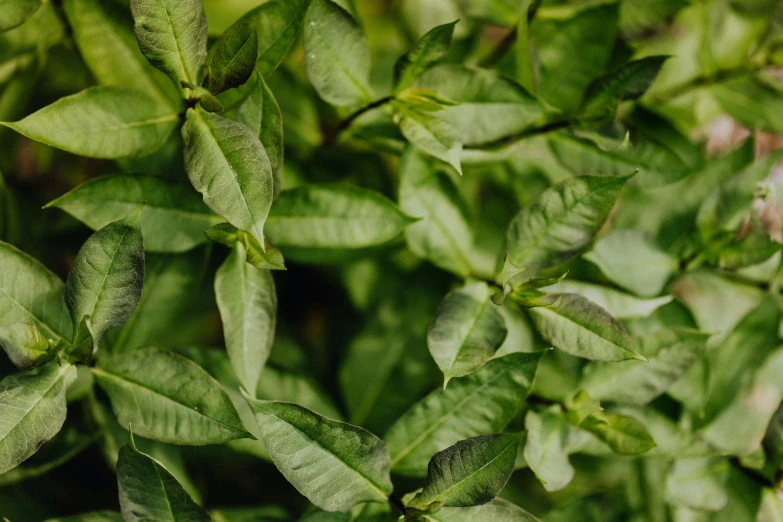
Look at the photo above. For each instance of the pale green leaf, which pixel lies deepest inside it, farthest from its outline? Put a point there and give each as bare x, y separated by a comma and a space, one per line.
234, 58
480, 403
107, 275
266, 258
148, 491
546, 448
582, 328
698, 483
247, 302
466, 332
562, 220
626, 435
672, 441
32, 411
172, 34
498, 510
579, 406
25, 345
619, 304
336, 55
322, 223
429, 133
334, 464
470, 473
173, 219
429, 50
227, 163
166, 397
102, 122
14, 13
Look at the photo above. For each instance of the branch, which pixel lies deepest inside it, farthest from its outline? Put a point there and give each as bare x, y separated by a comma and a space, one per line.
513, 138
354, 115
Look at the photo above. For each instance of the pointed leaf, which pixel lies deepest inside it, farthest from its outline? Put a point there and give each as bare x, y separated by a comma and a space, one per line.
149, 492
498, 510
334, 464
102, 122
227, 163
429, 50
234, 58
168, 398
624, 434
429, 133
172, 34
628, 82
173, 218
619, 304
107, 275
32, 411
480, 403
466, 332
546, 448
25, 345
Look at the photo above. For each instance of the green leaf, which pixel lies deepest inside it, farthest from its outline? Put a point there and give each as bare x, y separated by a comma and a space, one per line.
752, 99
334, 464
429, 50
30, 293
172, 34
497, 510
166, 397
14, 13
631, 260
247, 302
628, 82
266, 258
619, 304
33, 410
582, 328
260, 112
429, 133
698, 483
546, 447
336, 55
466, 332
624, 434
149, 492
480, 403
470, 473
671, 354
322, 223
443, 234
277, 23
579, 406
107, 275
234, 58
94, 516
25, 345
104, 35
102, 122
227, 163
490, 105
562, 221
173, 218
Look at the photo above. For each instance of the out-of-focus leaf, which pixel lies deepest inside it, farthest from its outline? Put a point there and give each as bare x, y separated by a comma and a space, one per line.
626, 435
497, 510
628, 82
698, 483
429, 133
429, 50
14, 13
545, 449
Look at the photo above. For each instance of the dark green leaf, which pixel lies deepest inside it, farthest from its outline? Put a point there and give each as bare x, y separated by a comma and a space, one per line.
628, 82
94, 516
234, 58
429, 50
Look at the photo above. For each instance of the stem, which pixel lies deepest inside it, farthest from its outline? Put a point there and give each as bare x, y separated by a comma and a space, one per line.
501, 49
395, 501
512, 138
702, 81
354, 115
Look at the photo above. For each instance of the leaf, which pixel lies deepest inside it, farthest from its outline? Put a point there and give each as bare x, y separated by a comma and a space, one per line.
752, 99
227, 163
429, 133
334, 464
247, 302
25, 345
322, 223
619, 304
149, 492
336, 55
497, 510
546, 448
94, 516
466, 332
624, 434
443, 234
172, 34
104, 36
562, 220
260, 112
671, 354
470, 473
277, 23
266, 258
631, 260
480, 403
234, 58
168, 398
14, 13
579, 406
627, 82
32, 409
490, 105
30, 293
173, 218
429, 50
582, 328
102, 122
698, 483
107, 275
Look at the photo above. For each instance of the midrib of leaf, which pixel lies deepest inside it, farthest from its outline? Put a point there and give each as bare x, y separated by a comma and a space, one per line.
38, 320
176, 42
105, 275
277, 38
336, 60
412, 115
376, 385
471, 323
35, 404
124, 379
435, 425
234, 56
163, 490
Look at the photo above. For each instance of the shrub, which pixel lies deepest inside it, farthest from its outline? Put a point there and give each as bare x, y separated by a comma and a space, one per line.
571, 205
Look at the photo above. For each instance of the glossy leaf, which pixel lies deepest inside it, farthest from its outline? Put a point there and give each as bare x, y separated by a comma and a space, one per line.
334, 464
428, 51
25, 345
429, 133
102, 122
234, 58
166, 397
546, 448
